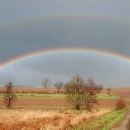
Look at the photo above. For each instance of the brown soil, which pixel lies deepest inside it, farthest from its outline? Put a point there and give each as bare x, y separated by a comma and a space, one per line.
57, 102
123, 92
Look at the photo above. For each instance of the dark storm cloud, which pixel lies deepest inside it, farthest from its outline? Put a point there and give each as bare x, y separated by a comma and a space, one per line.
64, 32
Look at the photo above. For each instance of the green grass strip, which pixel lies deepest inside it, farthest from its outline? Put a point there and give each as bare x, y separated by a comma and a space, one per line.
107, 97
105, 122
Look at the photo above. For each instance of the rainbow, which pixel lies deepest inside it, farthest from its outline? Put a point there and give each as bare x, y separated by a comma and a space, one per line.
60, 50
115, 19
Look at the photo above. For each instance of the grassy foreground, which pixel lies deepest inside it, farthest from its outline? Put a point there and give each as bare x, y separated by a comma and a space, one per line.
105, 122
102, 119
46, 120
54, 120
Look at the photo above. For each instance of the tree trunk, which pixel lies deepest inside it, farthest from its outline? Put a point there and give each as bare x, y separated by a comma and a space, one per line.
58, 91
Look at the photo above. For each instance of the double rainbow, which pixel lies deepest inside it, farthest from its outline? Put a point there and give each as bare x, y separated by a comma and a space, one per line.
60, 50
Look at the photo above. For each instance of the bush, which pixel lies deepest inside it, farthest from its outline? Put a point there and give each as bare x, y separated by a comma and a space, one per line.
120, 103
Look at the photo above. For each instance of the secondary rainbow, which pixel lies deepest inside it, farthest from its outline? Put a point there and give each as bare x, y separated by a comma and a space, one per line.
60, 50
81, 15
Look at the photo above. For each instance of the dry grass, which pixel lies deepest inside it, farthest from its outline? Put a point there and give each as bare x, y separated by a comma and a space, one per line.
45, 120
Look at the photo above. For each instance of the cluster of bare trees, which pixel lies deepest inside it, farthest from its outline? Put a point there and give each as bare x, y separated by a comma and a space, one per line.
10, 96
80, 93
46, 84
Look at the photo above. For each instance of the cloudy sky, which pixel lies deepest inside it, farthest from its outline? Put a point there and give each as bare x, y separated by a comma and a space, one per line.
29, 26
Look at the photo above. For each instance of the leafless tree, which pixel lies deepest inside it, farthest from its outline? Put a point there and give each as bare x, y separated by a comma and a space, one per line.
46, 83
75, 90
91, 86
108, 90
58, 85
91, 91
9, 95
99, 88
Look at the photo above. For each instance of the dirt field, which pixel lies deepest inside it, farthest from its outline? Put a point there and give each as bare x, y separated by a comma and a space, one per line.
58, 103
27, 113
123, 92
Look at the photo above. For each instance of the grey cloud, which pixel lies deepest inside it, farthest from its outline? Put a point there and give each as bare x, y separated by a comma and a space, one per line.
62, 66
20, 9
65, 32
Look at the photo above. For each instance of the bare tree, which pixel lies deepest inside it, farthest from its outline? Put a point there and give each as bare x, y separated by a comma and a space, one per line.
75, 90
99, 88
46, 83
108, 91
91, 97
91, 86
9, 95
58, 85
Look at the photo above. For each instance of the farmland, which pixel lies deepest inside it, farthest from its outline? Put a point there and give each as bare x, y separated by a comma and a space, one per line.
41, 111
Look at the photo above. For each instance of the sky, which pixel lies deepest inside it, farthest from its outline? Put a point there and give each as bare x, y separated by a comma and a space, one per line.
29, 26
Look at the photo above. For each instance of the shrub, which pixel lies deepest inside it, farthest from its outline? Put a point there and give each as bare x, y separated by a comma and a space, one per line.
120, 103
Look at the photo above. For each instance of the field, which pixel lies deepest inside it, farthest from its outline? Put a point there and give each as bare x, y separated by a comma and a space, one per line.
34, 110
123, 92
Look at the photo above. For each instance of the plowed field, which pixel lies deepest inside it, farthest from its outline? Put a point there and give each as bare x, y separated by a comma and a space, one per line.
123, 92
